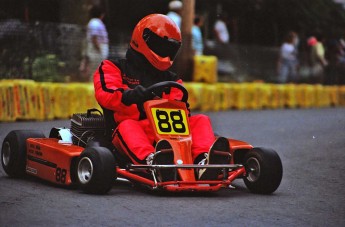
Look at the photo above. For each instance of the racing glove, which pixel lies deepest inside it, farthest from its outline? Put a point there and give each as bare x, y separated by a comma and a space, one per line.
138, 95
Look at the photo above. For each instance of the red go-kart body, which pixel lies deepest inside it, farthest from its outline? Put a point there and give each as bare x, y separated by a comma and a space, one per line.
74, 156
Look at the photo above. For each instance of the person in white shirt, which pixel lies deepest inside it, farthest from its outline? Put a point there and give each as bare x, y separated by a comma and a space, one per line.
221, 30
175, 8
288, 61
97, 39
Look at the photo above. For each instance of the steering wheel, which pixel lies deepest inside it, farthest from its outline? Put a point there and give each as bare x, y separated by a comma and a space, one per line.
169, 84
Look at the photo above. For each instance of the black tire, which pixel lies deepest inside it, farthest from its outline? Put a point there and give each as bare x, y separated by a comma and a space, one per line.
264, 170
96, 170
13, 152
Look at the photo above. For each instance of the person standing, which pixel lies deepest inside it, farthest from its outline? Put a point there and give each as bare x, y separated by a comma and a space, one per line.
318, 61
221, 30
197, 39
288, 60
175, 8
97, 45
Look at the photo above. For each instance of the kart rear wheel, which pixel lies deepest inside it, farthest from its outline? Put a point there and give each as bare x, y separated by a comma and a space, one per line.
13, 152
96, 170
264, 170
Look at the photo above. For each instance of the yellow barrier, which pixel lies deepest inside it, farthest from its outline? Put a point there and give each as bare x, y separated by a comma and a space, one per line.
305, 95
7, 102
91, 101
239, 96
258, 95
265, 95
205, 69
194, 94
46, 101
61, 100
29, 100
226, 95
210, 98
277, 96
73, 98
342, 95
322, 96
24, 99
289, 96
83, 98
333, 95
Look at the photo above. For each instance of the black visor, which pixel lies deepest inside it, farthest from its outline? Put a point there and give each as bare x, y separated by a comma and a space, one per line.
164, 47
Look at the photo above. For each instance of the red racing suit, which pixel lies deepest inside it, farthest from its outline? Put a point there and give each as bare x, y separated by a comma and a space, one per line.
133, 134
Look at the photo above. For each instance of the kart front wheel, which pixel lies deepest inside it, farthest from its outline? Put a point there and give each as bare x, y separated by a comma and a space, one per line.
264, 170
13, 151
96, 170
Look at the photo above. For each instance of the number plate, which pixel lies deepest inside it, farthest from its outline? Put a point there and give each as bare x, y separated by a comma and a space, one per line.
170, 121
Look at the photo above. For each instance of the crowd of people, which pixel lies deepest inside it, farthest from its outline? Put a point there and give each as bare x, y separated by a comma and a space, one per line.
97, 42
220, 28
314, 59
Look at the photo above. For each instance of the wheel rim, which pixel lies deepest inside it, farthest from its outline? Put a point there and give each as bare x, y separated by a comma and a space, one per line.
253, 167
6, 153
85, 170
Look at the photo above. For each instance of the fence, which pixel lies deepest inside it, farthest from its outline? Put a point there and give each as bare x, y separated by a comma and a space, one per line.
49, 52
39, 51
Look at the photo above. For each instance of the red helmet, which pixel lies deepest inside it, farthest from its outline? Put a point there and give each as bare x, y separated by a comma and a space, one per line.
158, 38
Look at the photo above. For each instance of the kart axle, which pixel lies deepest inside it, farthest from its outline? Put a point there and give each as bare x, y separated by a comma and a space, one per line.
228, 166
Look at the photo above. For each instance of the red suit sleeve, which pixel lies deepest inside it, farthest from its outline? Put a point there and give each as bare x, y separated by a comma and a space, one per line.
108, 85
108, 91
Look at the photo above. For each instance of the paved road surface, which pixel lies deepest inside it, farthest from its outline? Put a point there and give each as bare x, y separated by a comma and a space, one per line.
311, 144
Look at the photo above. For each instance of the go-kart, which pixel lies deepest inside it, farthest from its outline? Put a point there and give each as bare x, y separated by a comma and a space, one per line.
83, 155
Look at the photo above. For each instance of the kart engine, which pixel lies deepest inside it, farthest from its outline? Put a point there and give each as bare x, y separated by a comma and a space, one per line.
86, 126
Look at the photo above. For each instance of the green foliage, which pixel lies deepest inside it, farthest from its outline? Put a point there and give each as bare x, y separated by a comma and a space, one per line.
45, 68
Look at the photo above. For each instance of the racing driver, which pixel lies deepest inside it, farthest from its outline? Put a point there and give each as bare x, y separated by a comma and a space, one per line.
120, 86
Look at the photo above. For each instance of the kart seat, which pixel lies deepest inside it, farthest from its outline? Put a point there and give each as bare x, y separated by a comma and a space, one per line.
110, 124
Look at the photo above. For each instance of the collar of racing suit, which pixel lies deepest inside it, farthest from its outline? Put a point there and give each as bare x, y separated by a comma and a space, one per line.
138, 67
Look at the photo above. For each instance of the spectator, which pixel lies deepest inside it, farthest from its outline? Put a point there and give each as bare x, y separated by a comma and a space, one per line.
335, 56
175, 8
288, 60
317, 58
221, 29
97, 42
197, 39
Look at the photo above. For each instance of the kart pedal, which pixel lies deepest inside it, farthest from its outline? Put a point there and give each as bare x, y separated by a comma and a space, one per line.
219, 154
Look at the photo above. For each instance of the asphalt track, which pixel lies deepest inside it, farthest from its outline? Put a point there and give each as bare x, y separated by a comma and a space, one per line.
310, 142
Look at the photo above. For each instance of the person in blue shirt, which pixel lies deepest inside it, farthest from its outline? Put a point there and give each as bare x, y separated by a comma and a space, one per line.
197, 39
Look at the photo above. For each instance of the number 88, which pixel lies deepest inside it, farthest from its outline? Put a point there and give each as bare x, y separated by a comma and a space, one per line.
176, 118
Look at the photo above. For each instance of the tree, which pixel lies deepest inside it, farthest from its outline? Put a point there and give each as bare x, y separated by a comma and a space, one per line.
184, 61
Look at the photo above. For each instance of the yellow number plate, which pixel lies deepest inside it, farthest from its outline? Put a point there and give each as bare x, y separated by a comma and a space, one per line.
170, 121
